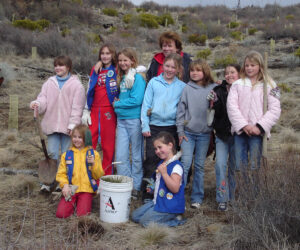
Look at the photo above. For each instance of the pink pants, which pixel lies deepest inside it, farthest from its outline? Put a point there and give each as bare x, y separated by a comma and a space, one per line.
83, 202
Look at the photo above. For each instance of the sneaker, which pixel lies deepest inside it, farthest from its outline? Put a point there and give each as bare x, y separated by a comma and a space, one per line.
45, 188
196, 205
135, 194
222, 206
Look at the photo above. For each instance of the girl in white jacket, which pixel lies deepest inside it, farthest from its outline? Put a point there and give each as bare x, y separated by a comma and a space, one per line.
245, 111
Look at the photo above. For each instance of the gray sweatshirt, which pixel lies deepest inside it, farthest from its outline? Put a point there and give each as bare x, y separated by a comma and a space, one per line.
191, 110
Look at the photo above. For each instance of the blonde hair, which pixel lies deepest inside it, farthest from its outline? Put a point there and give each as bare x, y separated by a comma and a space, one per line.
255, 57
176, 58
131, 54
204, 67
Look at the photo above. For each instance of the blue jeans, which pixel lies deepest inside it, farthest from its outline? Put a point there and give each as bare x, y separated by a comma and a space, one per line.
146, 214
244, 144
129, 131
225, 185
55, 141
198, 143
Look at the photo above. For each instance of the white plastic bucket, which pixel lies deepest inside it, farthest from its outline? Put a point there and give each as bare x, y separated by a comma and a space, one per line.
115, 198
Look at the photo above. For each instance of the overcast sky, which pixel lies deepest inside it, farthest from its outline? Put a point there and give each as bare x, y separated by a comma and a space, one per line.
228, 3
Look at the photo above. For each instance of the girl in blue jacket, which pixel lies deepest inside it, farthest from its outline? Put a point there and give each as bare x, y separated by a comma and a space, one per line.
128, 110
169, 202
159, 109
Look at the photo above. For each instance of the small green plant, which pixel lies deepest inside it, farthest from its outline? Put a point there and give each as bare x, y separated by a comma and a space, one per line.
184, 28
110, 12
217, 38
197, 39
222, 62
32, 25
297, 52
112, 29
127, 18
165, 18
284, 87
252, 31
233, 25
93, 38
148, 20
140, 10
65, 32
205, 53
237, 35
289, 17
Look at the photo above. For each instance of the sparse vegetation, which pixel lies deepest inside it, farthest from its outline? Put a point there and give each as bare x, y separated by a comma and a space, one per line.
148, 20
204, 53
32, 25
110, 12
222, 62
233, 25
252, 31
197, 39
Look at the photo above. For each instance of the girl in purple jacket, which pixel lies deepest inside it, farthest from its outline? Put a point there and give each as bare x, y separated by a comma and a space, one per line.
246, 114
61, 100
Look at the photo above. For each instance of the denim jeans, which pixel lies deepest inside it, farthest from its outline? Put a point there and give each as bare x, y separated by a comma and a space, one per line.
129, 132
55, 141
198, 143
244, 144
145, 214
225, 184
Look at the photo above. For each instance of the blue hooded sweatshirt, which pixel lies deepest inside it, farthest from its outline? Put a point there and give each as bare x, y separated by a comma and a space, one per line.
162, 98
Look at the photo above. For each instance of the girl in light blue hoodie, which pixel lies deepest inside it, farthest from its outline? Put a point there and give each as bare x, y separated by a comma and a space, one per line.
159, 110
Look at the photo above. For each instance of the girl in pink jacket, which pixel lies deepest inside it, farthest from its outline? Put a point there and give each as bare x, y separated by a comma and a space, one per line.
245, 111
61, 100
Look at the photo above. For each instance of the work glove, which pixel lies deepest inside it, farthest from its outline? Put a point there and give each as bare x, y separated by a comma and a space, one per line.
86, 117
212, 96
129, 78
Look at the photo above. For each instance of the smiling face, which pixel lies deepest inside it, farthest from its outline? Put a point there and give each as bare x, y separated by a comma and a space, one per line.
231, 74
251, 69
170, 70
106, 57
61, 70
168, 47
124, 63
162, 150
77, 140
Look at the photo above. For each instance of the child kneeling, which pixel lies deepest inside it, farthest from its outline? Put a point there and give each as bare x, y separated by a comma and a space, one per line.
80, 166
169, 202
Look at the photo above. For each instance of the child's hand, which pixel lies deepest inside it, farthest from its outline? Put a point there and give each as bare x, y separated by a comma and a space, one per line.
115, 100
162, 168
91, 159
66, 191
98, 67
94, 182
34, 105
69, 131
147, 134
181, 139
255, 131
247, 129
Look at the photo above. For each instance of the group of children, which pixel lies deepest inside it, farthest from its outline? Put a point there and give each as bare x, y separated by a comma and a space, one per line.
121, 110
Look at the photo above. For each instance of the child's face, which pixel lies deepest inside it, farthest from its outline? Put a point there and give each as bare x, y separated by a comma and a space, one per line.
196, 74
170, 70
168, 47
77, 140
163, 151
231, 74
125, 63
106, 57
61, 70
251, 69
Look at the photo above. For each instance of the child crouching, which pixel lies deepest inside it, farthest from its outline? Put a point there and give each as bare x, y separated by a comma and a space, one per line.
80, 166
168, 202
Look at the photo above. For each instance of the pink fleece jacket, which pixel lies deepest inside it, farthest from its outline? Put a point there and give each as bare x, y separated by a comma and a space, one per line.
245, 106
62, 108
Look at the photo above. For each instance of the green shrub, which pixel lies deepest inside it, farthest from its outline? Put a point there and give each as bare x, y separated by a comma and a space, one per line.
110, 12
237, 35
218, 38
184, 28
165, 17
233, 25
297, 52
197, 39
148, 20
203, 53
252, 31
140, 10
65, 32
222, 62
127, 18
32, 25
289, 17
93, 37
284, 87
80, 2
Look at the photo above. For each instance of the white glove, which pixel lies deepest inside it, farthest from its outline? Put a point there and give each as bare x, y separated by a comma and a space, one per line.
141, 69
129, 78
86, 117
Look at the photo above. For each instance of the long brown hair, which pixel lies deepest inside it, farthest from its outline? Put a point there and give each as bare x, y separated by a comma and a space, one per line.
131, 54
204, 67
112, 50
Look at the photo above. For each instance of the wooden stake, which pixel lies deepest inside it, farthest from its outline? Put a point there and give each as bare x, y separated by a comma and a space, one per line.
33, 53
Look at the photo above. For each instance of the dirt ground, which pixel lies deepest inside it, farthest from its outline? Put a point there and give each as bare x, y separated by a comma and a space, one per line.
27, 217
